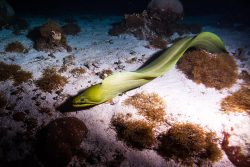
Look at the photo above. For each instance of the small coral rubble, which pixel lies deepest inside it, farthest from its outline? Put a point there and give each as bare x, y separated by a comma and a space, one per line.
213, 70
67, 61
76, 72
135, 133
245, 76
189, 144
105, 73
49, 37
45, 110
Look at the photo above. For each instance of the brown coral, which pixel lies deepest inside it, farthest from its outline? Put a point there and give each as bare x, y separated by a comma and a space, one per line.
12, 71
237, 102
49, 30
149, 105
45, 110
7, 70
162, 22
59, 140
187, 142
152, 24
134, 20
51, 80
21, 77
135, 133
213, 70
48, 37
16, 47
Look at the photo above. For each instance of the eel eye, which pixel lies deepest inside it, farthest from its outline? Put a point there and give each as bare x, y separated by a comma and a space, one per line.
82, 100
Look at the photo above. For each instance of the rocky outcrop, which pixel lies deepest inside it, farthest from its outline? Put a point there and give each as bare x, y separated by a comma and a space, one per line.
59, 140
49, 37
153, 25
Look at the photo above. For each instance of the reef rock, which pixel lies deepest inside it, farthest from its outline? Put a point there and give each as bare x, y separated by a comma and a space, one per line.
174, 6
58, 141
49, 37
153, 24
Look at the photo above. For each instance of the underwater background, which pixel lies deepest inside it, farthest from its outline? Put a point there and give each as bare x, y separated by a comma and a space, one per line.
129, 83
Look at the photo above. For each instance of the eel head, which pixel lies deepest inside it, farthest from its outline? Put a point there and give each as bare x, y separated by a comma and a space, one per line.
89, 97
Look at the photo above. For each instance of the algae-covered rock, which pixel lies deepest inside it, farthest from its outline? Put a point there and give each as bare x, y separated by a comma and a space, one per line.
51, 80
152, 24
49, 37
135, 133
203, 67
189, 143
58, 141
16, 47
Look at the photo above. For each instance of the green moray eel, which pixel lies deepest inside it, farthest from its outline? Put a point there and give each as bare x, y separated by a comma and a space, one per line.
118, 83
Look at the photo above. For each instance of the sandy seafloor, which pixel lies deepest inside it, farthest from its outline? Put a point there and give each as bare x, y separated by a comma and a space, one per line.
185, 100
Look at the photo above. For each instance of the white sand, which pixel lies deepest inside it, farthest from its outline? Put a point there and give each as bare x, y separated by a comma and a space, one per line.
185, 100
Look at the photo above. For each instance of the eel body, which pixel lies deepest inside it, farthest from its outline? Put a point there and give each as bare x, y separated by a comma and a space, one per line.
121, 82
